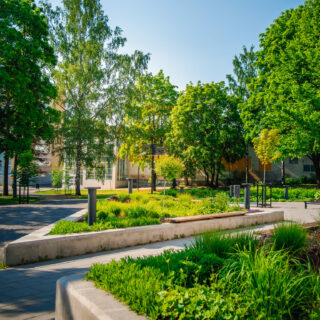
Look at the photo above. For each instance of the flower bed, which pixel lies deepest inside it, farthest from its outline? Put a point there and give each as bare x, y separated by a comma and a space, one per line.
222, 277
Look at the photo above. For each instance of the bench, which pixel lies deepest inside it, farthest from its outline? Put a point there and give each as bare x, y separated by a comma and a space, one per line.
310, 202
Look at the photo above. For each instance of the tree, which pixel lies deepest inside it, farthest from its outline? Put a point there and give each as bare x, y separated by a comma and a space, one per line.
266, 148
25, 87
93, 81
245, 71
147, 120
169, 168
57, 177
285, 95
205, 129
27, 169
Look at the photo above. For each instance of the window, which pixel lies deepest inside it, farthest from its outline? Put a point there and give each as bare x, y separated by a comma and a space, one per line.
122, 170
294, 161
108, 170
99, 173
308, 168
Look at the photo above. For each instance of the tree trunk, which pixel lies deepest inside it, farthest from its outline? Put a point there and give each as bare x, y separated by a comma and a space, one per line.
152, 172
217, 180
78, 168
186, 181
264, 173
5, 175
174, 183
315, 159
14, 184
283, 173
247, 165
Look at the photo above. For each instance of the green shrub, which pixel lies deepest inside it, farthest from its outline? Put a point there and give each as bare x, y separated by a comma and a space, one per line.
224, 244
289, 236
123, 197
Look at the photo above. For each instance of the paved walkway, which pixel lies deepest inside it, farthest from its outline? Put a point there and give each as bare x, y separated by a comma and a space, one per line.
19, 220
28, 292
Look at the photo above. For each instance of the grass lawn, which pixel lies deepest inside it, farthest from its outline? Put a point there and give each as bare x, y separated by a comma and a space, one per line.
222, 277
10, 200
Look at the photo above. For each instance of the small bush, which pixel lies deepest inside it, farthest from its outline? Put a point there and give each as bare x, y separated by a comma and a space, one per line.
289, 236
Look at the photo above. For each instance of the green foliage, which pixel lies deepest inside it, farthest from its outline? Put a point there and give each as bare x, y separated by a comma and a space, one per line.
285, 94
129, 283
224, 244
201, 302
205, 129
147, 118
26, 90
57, 178
278, 289
194, 284
266, 147
3, 265
94, 82
169, 168
27, 169
123, 197
289, 236
142, 209
66, 227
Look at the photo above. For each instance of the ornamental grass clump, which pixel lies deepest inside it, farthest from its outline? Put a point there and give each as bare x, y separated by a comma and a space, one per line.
224, 244
289, 236
281, 288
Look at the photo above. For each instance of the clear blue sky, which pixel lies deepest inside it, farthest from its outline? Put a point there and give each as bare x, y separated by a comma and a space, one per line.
192, 40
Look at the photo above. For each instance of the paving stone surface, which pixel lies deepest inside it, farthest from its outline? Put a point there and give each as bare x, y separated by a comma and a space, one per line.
19, 220
28, 292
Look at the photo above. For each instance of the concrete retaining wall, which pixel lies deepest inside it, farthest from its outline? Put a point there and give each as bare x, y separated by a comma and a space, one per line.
78, 299
37, 246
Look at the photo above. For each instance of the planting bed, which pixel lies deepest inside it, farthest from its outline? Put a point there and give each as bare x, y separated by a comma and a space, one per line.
141, 209
220, 276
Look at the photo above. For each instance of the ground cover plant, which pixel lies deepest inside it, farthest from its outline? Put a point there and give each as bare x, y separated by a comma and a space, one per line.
220, 276
139, 209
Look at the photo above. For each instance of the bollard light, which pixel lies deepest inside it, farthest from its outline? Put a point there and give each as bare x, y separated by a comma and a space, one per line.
246, 195
92, 204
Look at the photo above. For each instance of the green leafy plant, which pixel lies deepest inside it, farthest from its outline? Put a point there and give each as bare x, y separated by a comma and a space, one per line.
224, 244
289, 236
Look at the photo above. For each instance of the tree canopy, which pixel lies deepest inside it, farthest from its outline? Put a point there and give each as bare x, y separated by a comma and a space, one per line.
286, 93
205, 128
147, 120
25, 87
94, 81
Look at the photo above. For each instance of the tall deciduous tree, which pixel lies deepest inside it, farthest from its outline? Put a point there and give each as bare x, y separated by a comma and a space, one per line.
245, 71
93, 81
147, 121
286, 94
25, 87
205, 128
